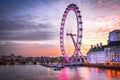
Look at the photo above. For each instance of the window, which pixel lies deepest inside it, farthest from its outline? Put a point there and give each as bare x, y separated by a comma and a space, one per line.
112, 56
117, 56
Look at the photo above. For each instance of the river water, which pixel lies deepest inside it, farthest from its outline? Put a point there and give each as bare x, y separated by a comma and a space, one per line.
38, 72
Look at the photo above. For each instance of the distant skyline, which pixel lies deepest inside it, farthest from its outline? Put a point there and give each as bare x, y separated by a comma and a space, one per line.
31, 27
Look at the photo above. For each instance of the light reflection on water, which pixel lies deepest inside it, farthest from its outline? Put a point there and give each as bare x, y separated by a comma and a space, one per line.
37, 72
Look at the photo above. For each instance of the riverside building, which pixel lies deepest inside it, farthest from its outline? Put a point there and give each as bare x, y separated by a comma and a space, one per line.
106, 53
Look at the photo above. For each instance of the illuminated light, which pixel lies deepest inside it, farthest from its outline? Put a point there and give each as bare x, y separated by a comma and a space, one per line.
97, 70
48, 69
118, 73
109, 73
113, 73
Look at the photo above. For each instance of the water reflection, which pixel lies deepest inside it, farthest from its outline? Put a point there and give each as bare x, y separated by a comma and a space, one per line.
73, 74
63, 75
112, 73
108, 72
37, 72
85, 73
76, 75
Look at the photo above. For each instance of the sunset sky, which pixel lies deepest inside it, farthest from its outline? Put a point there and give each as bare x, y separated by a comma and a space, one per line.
31, 27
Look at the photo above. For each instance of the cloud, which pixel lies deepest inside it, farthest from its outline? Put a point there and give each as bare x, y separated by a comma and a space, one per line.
14, 30
25, 20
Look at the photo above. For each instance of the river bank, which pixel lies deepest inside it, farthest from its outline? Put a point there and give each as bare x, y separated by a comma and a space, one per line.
107, 66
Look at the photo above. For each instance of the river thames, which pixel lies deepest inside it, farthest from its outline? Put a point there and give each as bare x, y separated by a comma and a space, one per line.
38, 72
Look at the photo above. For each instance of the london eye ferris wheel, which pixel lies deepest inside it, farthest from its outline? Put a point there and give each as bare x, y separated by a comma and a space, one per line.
78, 34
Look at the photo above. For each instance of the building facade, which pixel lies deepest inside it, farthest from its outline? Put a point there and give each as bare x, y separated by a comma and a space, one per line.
106, 53
114, 36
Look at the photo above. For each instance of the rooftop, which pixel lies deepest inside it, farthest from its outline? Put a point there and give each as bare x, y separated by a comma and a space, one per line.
115, 31
101, 48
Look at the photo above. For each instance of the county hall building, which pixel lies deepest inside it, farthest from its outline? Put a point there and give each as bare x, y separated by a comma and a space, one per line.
106, 53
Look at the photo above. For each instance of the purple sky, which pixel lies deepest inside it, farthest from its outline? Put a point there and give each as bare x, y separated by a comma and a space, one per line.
36, 23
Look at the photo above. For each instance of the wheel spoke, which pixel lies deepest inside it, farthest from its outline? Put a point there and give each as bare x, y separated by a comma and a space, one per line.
78, 41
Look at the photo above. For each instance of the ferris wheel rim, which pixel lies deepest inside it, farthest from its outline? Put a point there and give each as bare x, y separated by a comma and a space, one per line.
75, 9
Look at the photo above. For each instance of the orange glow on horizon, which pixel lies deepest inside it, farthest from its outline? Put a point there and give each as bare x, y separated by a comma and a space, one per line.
34, 49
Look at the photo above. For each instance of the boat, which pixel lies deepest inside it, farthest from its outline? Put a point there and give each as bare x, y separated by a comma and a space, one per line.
56, 68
